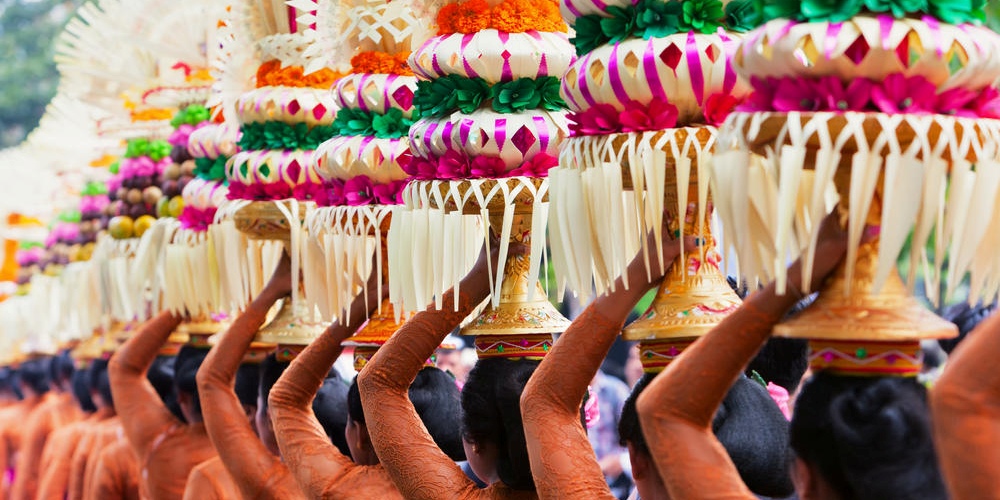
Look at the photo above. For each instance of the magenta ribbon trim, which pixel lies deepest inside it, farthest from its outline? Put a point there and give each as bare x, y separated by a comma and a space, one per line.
694, 68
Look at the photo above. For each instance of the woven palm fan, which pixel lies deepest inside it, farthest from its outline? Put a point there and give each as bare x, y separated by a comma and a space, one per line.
896, 113
149, 52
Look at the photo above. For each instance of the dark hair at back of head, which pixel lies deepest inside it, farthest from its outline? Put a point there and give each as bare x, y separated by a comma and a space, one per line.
247, 383
491, 407
161, 376
749, 426
965, 317
186, 367
754, 433
869, 437
61, 367
34, 374
330, 408
81, 391
99, 381
270, 371
437, 401
782, 361
15, 383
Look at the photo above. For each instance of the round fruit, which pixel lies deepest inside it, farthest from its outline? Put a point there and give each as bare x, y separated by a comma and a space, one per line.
151, 195
134, 196
163, 207
170, 188
142, 224
121, 227
176, 206
187, 168
172, 172
136, 211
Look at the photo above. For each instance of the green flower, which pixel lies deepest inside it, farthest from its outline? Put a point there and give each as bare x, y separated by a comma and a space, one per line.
520, 94
435, 97
834, 11
702, 15
469, 93
114, 167
548, 88
588, 34
159, 149
742, 16
620, 25
353, 122
391, 125
657, 18
958, 11
136, 148
211, 170
317, 135
898, 8
777, 9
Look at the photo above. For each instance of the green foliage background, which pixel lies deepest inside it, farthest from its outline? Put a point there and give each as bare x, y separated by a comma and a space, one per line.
28, 77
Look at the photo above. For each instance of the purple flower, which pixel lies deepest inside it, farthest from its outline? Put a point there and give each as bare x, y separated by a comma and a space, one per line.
899, 94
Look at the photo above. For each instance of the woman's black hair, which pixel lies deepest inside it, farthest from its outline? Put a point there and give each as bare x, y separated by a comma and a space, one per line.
14, 382
749, 426
330, 408
247, 383
782, 361
61, 368
966, 318
186, 367
34, 374
869, 437
81, 391
97, 376
161, 376
437, 401
491, 413
270, 371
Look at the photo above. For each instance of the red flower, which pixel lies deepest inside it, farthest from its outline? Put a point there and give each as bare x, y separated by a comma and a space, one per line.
987, 103
237, 191
276, 191
334, 195
956, 101
358, 191
718, 107
899, 94
309, 191
834, 96
762, 97
537, 166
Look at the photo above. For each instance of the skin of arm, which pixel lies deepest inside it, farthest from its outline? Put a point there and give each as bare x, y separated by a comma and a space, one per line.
318, 466
965, 404
677, 408
253, 467
562, 461
143, 414
405, 448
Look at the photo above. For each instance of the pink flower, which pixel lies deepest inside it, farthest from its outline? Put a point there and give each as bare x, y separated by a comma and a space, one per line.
591, 409
796, 95
334, 193
780, 396
453, 165
358, 191
537, 166
657, 115
899, 94
237, 191
399, 190
387, 194
956, 101
276, 191
762, 98
197, 219
488, 166
180, 136
309, 191
600, 119
718, 107
834, 96
987, 103
420, 168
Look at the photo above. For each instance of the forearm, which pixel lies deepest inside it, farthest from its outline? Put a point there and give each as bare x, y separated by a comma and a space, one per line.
218, 372
138, 353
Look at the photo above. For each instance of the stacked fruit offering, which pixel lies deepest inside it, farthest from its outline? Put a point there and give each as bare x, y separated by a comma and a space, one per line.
134, 188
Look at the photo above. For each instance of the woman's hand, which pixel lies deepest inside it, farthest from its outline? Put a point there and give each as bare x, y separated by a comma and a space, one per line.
280, 284
831, 247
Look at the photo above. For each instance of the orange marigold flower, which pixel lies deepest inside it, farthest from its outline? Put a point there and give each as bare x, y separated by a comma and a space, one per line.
444, 19
466, 17
264, 72
518, 16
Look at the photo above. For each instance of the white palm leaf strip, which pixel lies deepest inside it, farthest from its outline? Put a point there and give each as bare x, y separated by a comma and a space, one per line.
916, 184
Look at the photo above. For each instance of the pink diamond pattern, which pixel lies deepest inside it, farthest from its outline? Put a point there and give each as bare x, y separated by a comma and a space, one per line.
319, 111
404, 97
671, 56
858, 50
294, 107
523, 140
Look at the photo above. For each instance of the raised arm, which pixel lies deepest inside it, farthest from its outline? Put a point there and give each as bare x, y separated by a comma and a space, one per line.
677, 408
253, 467
562, 460
314, 461
143, 414
418, 467
966, 408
